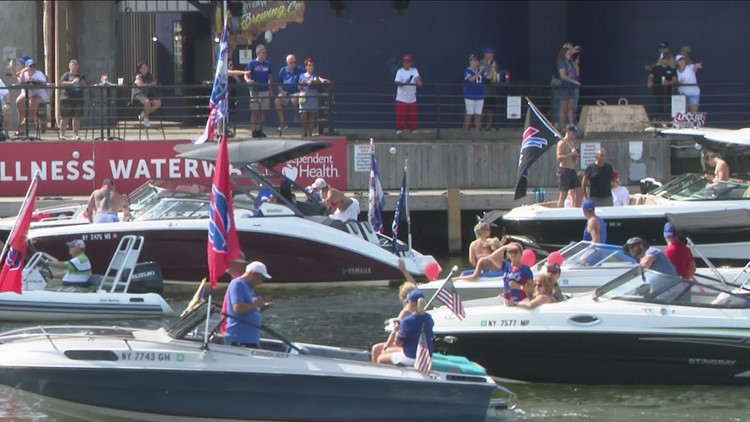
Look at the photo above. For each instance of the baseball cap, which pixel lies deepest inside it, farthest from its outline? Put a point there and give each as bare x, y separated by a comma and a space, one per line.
663, 44
285, 185
408, 58
632, 242
78, 243
414, 295
30, 62
616, 175
669, 230
571, 128
259, 268
588, 205
679, 57
320, 183
488, 50
24, 58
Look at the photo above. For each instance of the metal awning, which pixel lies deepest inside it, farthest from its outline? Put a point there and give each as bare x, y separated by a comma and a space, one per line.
159, 6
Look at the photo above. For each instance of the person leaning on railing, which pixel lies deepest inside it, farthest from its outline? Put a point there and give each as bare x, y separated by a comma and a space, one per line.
309, 98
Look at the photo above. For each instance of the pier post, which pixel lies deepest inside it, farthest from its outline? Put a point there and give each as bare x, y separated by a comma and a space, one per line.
454, 221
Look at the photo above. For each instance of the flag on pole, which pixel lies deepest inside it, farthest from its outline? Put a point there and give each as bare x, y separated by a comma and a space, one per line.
400, 213
218, 103
223, 244
448, 295
538, 137
377, 200
423, 363
11, 278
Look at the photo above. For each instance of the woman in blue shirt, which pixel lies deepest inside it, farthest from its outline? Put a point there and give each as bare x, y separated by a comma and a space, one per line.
473, 93
308, 100
409, 330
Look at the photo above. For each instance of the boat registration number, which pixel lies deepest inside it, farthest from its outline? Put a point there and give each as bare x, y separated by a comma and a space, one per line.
97, 236
153, 356
504, 322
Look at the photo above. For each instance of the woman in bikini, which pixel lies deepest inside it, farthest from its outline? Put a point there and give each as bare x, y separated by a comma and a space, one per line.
345, 208
479, 247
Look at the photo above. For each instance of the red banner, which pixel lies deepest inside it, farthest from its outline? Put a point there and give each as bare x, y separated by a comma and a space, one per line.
77, 168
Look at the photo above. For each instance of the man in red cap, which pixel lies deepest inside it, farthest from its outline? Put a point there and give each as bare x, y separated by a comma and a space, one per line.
407, 80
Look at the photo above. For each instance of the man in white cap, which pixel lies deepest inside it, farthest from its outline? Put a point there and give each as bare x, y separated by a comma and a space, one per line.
78, 268
244, 308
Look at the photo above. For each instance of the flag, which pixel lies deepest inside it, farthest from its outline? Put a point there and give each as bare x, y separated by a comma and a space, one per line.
377, 200
218, 103
223, 244
450, 298
538, 137
400, 214
11, 278
423, 363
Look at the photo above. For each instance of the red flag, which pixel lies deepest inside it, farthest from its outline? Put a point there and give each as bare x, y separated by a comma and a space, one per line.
11, 274
223, 244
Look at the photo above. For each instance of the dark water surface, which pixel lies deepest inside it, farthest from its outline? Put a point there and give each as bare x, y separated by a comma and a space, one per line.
353, 316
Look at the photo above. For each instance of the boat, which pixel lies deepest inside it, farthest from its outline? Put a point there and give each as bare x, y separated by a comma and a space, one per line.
125, 373
682, 332
553, 228
294, 238
112, 298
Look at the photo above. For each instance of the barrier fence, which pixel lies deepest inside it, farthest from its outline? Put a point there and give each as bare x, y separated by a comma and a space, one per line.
360, 106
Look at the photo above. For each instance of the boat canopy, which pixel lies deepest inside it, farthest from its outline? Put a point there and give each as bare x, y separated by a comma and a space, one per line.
268, 153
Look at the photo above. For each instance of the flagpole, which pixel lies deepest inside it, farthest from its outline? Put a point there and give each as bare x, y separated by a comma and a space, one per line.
15, 223
434, 295
406, 205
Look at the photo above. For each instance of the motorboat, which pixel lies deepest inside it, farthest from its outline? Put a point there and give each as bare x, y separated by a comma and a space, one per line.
553, 228
173, 374
586, 266
297, 241
111, 298
643, 327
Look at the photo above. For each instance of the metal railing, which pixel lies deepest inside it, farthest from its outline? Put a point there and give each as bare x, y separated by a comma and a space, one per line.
369, 106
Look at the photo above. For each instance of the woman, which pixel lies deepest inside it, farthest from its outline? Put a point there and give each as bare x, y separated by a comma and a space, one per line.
473, 93
567, 92
403, 351
553, 273
688, 80
345, 208
407, 287
309, 98
544, 289
479, 247
71, 99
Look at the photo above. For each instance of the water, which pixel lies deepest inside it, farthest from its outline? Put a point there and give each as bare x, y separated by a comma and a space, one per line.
353, 316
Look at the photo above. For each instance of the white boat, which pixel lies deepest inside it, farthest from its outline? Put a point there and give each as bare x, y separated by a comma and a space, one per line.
553, 228
101, 373
111, 300
628, 331
290, 236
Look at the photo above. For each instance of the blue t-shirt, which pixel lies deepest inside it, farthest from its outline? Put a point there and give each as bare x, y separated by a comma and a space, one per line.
304, 78
290, 79
520, 275
239, 332
473, 90
259, 73
410, 330
661, 262
602, 231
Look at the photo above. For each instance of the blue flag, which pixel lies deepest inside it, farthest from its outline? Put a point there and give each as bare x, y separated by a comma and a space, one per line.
377, 200
401, 211
218, 103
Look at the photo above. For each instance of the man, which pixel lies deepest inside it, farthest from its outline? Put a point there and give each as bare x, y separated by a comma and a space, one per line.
721, 169
596, 229
71, 99
488, 66
143, 94
650, 257
407, 80
258, 76
106, 202
663, 53
661, 78
78, 268
598, 178
235, 270
244, 307
289, 88
567, 158
678, 253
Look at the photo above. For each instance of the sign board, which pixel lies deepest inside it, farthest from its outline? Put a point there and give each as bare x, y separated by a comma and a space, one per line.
678, 104
513, 108
362, 158
77, 168
588, 153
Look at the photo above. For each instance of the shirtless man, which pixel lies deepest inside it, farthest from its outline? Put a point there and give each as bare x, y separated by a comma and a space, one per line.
106, 202
721, 169
345, 208
567, 159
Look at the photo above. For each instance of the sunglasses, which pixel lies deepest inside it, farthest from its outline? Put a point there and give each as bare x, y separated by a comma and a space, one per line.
538, 285
514, 251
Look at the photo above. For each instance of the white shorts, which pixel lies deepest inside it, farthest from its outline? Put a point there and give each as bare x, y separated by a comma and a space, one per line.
285, 99
350, 213
474, 106
399, 358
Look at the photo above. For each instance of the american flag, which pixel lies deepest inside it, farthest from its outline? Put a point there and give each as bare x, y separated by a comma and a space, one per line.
423, 363
11, 279
218, 104
377, 200
449, 296
223, 244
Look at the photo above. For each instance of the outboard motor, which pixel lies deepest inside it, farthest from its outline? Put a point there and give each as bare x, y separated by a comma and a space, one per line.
147, 278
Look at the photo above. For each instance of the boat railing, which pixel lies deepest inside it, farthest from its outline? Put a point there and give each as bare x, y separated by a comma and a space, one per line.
51, 332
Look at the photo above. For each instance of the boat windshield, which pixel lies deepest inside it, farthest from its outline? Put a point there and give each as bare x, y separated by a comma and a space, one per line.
694, 187
185, 208
589, 254
649, 286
